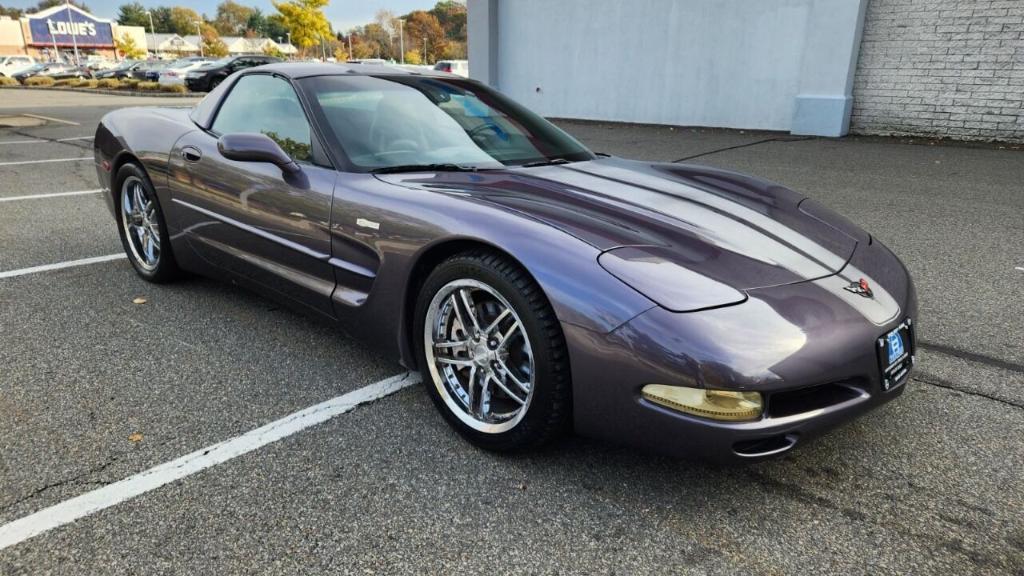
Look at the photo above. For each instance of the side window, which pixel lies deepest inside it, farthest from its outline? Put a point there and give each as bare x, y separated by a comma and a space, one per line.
268, 105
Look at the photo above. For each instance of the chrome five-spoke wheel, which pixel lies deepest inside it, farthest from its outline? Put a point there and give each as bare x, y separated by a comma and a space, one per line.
141, 224
479, 356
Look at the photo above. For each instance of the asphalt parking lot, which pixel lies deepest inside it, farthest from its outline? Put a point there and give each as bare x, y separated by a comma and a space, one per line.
95, 388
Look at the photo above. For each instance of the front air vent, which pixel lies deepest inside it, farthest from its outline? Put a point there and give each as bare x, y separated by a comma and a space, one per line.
782, 404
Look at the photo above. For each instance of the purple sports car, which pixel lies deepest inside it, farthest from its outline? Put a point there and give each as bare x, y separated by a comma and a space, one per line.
538, 286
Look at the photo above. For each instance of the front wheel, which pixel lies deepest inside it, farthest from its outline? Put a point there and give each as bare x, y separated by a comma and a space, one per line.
492, 353
141, 226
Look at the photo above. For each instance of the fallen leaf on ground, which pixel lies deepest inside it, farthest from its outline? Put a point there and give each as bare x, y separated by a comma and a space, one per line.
136, 437
139, 300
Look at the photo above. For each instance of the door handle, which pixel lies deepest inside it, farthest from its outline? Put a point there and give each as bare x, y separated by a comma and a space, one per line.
191, 154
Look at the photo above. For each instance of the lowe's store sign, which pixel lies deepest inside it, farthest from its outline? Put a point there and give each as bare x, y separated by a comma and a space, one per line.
68, 27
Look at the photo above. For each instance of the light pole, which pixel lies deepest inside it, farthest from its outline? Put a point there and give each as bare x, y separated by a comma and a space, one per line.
199, 33
74, 37
152, 29
323, 49
350, 55
401, 38
425, 61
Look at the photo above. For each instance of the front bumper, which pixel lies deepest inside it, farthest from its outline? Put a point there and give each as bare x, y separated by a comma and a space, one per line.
808, 349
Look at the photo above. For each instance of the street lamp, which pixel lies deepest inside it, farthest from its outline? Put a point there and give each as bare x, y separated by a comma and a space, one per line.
74, 36
425, 59
401, 38
152, 29
199, 33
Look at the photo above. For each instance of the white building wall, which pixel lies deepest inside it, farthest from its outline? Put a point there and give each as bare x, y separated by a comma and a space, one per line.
759, 64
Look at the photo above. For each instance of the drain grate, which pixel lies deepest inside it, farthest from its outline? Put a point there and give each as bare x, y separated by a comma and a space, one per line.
20, 121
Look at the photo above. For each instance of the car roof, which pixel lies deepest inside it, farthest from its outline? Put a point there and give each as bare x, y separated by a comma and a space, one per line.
307, 69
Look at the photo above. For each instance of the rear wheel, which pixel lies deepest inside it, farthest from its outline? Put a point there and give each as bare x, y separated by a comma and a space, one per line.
142, 227
493, 355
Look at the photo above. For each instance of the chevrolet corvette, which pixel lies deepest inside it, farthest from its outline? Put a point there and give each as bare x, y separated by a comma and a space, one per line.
539, 287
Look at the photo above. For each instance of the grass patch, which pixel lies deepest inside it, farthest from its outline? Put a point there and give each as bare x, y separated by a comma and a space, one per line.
148, 86
174, 88
110, 83
8, 81
39, 81
90, 83
68, 82
130, 83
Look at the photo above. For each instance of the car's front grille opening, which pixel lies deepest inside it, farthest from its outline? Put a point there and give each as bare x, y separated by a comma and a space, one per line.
782, 404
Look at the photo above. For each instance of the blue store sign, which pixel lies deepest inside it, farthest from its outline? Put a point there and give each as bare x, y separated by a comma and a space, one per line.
67, 27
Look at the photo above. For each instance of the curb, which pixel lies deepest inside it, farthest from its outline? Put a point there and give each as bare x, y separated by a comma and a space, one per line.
150, 93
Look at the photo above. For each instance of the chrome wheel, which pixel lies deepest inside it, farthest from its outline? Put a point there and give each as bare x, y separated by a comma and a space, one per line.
141, 223
478, 354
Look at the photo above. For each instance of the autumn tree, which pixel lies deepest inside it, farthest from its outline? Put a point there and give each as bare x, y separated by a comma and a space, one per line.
126, 46
232, 18
423, 27
183, 21
212, 44
305, 19
413, 57
452, 17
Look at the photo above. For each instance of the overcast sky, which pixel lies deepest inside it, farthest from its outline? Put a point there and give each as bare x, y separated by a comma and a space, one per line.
343, 14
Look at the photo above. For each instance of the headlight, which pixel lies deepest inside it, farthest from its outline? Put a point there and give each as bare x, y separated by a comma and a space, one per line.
728, 405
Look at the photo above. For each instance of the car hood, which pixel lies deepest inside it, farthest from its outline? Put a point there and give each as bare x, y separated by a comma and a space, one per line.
701, 223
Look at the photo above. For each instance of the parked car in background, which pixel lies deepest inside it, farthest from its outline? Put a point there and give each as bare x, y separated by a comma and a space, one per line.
175, 72
374, 61
11, 65
208, 77
458, 67
55, 70
150, 71
97, 63
121, 71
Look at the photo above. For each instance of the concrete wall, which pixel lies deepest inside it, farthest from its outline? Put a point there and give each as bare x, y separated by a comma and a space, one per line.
948, 68
777, 65
11, 39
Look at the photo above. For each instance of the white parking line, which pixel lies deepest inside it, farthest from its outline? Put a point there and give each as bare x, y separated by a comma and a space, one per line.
52, 119
42, 140
60, 265
45, 161
113, 494
1021, 268
52, 195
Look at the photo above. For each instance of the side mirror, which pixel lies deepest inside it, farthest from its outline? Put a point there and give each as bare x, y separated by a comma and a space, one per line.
246, 147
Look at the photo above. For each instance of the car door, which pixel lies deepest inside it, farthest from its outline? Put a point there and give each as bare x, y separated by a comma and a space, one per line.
250, 218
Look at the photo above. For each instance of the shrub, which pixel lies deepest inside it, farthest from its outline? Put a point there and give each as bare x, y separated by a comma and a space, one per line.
175, 88
90, 83
39, 81
112, 83
148, 86
130, 83
8, 81
69, 82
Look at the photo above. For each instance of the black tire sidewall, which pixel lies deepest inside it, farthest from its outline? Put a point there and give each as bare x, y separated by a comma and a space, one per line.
536, 426
166, 268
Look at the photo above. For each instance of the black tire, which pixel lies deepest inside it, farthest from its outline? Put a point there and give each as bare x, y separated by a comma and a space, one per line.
166, 267
214, 83
549, 411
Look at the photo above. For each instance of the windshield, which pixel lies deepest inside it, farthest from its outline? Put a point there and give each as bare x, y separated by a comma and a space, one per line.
217, 63
388, 121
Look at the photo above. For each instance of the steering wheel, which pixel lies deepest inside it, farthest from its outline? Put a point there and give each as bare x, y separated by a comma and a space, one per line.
478, 132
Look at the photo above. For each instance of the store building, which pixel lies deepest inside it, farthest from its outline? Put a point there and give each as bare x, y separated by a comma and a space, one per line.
60, 31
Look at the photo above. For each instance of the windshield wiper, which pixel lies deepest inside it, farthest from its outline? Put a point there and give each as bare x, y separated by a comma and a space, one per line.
423, 168
551, 162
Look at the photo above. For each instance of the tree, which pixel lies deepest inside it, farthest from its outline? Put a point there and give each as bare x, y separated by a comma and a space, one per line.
420, 26
11, 11
126, 46
132, 14
413, 57
162, 19
232, 18
305, 19
212, 44
341, 54
44, 4
274, 27
452, 17
183, 21
273, 51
